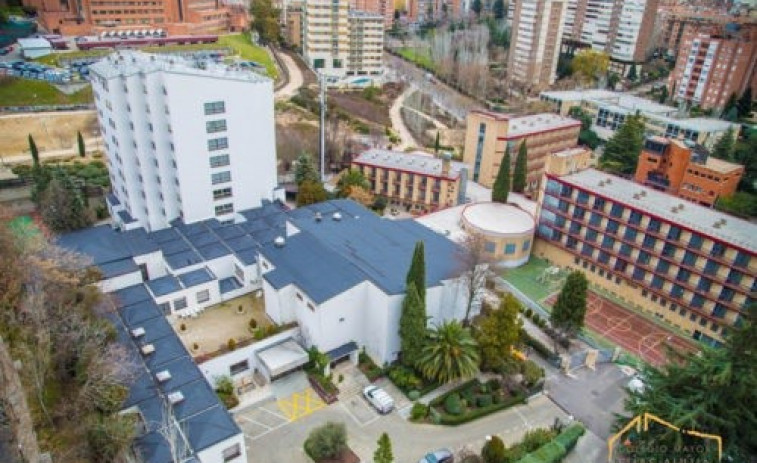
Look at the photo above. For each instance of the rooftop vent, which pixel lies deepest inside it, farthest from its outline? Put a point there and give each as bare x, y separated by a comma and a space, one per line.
337, 216
318, 217
137, 332
644, 193
719, 223
601, 183
175, 397
148, 349
279, 242
608, 181
163, 376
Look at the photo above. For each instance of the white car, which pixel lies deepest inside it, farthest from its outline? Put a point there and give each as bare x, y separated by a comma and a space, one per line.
381, 401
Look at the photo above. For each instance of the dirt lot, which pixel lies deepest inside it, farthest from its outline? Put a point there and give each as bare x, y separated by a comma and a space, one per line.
51, 131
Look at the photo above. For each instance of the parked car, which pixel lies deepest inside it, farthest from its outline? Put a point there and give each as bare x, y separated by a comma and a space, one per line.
381, 401
438, 456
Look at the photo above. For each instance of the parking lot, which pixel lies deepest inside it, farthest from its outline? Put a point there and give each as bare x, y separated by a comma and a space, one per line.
276, 430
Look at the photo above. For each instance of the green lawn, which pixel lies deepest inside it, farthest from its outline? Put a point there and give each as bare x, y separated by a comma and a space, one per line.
242, 45
239, 43
23, 226
525, 278
23, 92
420, 57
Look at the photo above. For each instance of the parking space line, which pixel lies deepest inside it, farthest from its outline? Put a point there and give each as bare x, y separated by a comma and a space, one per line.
274, 413
350, 413
250, 420
270, 430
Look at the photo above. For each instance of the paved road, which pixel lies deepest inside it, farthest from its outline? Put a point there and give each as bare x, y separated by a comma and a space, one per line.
406, 138
295, 78
409, 441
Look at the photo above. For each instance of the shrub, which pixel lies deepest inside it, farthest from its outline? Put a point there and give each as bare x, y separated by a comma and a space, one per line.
493, 451
484, 400
569, 437
535, 439
453, 420
414, 395
468, 395
253, 323
419, 411
404, 378
436, 418
494, 385
340, 378
183, 327
452, 404
231, 344
529, 312
327, 441
532, 373
552, 452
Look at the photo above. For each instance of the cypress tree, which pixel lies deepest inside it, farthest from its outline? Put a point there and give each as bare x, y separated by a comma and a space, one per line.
417, 272
412, 327
383, 453
502, 183
723, 149
436, 144
623, 148
33, 150
570, 308
80, 142
744, 105
519, 174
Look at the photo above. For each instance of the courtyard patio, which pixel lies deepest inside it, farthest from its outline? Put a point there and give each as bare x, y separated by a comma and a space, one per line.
211, 330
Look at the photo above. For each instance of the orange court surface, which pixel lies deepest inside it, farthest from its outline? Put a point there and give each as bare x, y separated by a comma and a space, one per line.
632, 332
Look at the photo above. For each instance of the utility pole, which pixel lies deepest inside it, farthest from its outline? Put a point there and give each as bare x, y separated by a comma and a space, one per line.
322, 82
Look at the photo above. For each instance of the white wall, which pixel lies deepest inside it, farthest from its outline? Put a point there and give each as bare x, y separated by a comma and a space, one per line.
214, 453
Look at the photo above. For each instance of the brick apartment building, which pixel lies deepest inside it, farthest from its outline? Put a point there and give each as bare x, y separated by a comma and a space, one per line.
686, 170
684, 263
83, 17
676, 20
488, 133
715, 62
418, 182
383, 7
536, 39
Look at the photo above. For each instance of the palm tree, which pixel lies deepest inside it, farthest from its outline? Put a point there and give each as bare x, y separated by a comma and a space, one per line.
451, 353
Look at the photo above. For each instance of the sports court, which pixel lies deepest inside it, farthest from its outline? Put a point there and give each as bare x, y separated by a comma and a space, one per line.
634, 333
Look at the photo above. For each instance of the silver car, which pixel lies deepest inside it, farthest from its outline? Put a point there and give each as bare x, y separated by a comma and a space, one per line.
381, 401
438, 456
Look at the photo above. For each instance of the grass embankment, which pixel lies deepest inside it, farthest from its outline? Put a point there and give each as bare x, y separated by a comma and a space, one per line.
24, 92
421, 57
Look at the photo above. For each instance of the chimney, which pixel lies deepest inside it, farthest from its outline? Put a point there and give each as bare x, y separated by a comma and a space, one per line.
279, 242
318, 217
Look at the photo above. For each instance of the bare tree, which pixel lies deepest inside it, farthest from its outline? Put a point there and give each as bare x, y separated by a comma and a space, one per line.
174, 434
474, 262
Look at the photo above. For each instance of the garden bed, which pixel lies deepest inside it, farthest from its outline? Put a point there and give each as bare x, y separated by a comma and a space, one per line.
407, 380
369, 368
470, 401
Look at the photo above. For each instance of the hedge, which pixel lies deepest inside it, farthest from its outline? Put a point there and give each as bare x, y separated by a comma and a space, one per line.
555, 450
457, 390
537, 345
452, 420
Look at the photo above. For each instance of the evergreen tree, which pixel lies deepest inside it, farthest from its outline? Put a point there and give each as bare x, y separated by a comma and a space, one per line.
710, 390
265, 21
412, 327
417, 272
632, 73
383, 453
494, 451
436, 143
520, 171
502, 183
730, 104
34, 152
622, 150
353, 178
496, 331
62, 205
723, 149
310, 192
476, 7
570, 308
304, 169
663, 95
744, 104
80, 143
499, 9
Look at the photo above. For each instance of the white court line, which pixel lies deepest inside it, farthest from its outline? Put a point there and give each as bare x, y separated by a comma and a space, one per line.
250, 420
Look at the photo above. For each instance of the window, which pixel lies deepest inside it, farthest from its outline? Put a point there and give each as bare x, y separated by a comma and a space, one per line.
717, 250
635, 218
222, 193
232, 452
663, 266
215, 126
165, 308
697, 301
595, 219
509, 249
179, 304
587, 250
490, 247
711, 267
630, 234
683, 275
704, 285
644, 258
591, 235
657, 282
654, 226
734, 277
689, 259
742, 260
612, 226
311, 307
220, 177
319, 63
676, 291
526, 245
216, 107
649, 242
625, 250
604, 257
638, 274
599, 204
219, 161
608, 242
583, 197
620, 266
616, 211
668, 250
203, 296
215, 144
236, 368
726, 295
575, 228
223, 209
719, 311
674, 233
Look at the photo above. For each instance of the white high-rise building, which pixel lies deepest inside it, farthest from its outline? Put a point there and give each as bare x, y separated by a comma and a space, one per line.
183, 141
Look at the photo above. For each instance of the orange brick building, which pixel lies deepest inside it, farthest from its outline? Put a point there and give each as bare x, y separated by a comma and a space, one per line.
83, 17
686, 170
715, 62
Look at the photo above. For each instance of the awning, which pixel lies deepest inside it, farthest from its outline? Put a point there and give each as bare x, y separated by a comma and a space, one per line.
342, 351
283, 357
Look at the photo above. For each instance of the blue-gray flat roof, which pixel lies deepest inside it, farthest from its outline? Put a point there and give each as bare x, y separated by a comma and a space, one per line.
164, 285
196, 277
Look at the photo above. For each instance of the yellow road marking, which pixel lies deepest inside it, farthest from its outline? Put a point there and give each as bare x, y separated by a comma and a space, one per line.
300, 404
